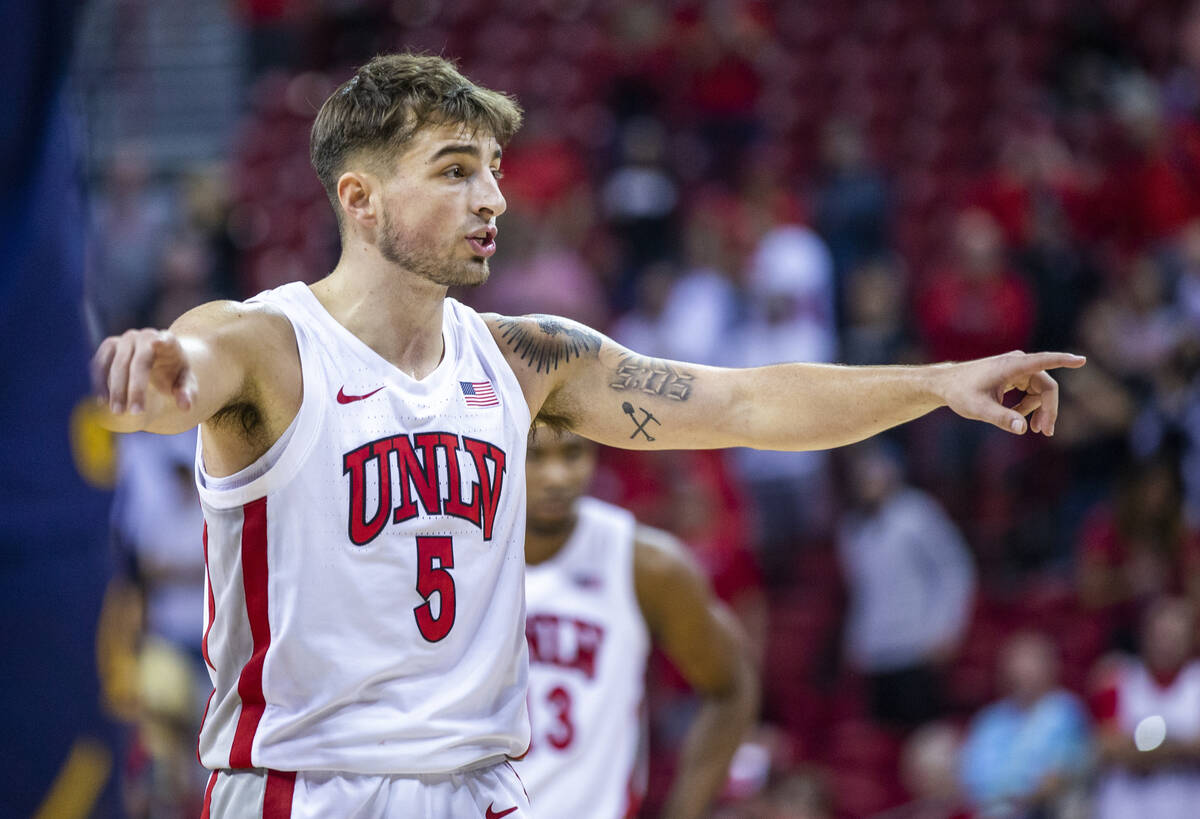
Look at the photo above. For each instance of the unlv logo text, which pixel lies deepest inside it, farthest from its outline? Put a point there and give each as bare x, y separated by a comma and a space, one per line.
406, 468
564, 642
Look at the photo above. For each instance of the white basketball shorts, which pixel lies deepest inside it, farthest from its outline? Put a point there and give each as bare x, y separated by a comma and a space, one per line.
490, 792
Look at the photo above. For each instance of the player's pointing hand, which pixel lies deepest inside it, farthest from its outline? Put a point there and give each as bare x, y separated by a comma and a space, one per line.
976, 389
125, 366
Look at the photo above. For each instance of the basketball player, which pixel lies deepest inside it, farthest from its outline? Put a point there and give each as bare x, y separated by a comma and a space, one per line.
598, 589
361, 464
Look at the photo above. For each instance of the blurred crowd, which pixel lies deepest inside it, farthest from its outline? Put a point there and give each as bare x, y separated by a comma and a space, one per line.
952, 622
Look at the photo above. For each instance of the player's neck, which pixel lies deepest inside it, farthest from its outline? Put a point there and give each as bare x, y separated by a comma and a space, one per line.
543, 545
396, 314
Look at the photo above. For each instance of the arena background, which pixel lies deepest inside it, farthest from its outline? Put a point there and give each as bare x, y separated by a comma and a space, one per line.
734, 183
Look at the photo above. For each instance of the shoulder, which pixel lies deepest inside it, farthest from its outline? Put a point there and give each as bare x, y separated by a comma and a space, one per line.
661, 559
667, 580
542, 350
236, 321
256, 341
593, 511
543, 342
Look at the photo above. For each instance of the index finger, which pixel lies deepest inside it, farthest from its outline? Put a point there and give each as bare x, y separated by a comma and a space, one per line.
1033, 362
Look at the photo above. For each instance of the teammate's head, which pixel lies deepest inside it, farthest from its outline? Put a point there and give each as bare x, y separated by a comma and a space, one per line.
408, 150
558, 469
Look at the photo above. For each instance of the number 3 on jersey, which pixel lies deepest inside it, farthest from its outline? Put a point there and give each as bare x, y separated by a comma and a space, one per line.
563, 730
430, 579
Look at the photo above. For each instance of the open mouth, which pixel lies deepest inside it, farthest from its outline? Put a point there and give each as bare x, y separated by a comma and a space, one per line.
483, 242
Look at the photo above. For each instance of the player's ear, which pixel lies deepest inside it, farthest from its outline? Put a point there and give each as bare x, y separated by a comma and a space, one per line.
354, 190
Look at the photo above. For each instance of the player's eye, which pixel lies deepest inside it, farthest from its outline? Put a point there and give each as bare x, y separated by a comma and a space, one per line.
497, 173
454, 172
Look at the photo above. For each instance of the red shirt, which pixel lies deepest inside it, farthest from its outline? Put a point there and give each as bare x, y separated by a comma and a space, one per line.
961, 318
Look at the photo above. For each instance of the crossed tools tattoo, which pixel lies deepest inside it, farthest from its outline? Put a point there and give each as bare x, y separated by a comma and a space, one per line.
641, 425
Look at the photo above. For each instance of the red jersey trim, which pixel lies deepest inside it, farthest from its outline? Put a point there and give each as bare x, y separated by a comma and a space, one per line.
207, 705
212, 603
254, 579
277, 800
204, 812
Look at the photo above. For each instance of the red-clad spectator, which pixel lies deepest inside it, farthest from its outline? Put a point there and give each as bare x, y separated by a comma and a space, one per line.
541, 167
1034, 170
1153, 188
977, 306
716, 48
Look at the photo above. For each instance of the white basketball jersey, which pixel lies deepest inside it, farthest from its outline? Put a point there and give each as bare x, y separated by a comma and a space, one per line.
1165, 794
588, 645
365, 577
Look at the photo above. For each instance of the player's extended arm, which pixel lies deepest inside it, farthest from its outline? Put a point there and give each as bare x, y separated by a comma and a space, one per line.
575, 377
168, 381
702, 638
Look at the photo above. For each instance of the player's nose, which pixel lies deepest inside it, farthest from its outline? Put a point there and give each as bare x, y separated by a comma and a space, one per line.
489, 201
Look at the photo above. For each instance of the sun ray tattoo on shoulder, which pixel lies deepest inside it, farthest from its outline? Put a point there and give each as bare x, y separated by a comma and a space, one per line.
652, 376
544, 342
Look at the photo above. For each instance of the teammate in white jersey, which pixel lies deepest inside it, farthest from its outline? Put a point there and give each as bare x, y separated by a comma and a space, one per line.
600, 589
410, 609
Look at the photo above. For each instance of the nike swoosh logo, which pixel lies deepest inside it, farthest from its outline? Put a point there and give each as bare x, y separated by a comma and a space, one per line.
342, 398
491, 814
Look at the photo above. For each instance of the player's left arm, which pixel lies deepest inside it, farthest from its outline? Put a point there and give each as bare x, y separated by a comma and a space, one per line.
702, 638
576, 378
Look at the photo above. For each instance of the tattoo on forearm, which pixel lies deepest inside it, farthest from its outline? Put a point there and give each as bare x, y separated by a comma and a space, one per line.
652, 376
553, 342
640, 426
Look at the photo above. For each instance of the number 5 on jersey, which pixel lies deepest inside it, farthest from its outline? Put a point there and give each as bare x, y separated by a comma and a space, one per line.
430, 579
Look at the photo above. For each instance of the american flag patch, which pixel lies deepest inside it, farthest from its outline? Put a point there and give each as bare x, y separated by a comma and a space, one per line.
479, 394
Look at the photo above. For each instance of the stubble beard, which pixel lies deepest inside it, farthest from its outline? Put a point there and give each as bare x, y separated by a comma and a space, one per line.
416, 256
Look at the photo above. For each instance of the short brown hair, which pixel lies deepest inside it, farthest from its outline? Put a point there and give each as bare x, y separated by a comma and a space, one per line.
390, 99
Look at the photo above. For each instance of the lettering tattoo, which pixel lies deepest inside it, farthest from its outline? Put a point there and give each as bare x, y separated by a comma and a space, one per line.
652, 376
554, 341
627, 408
